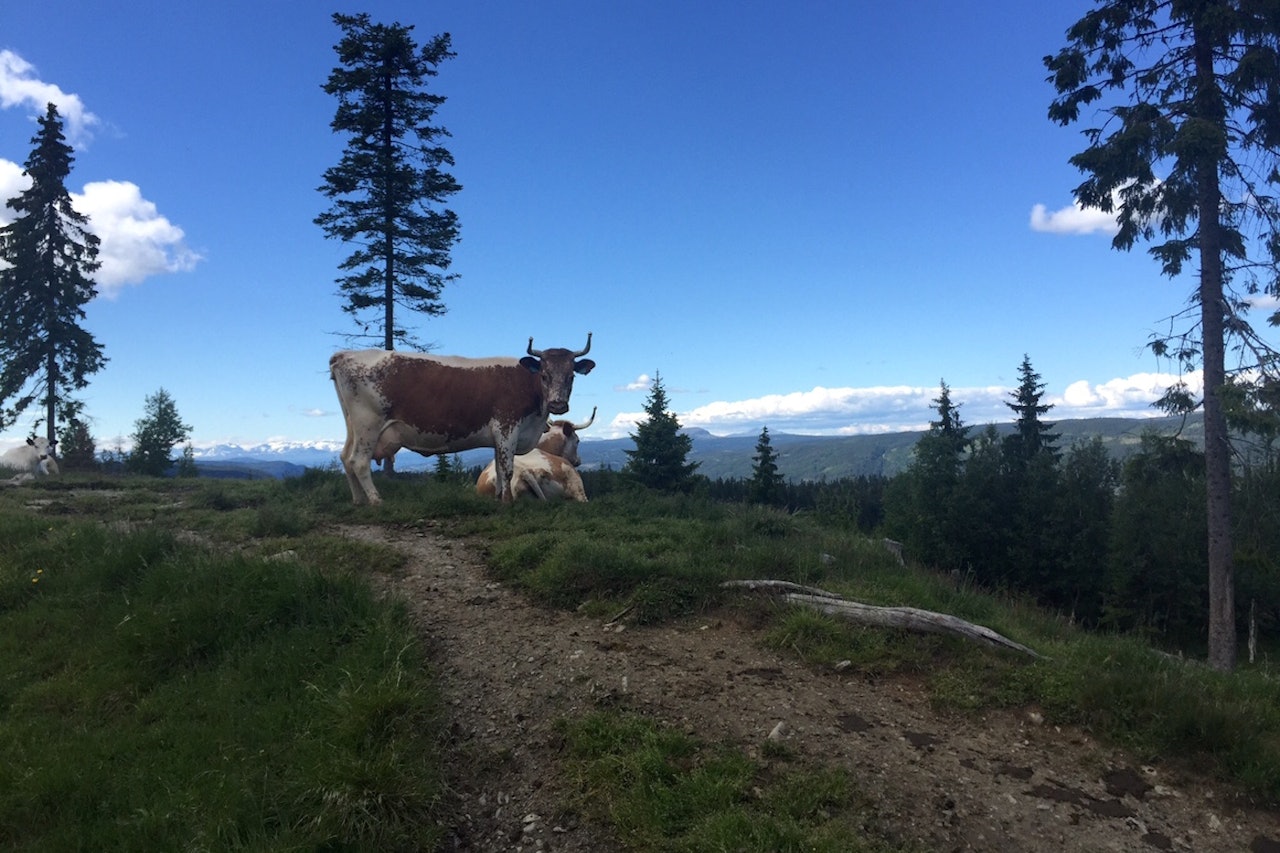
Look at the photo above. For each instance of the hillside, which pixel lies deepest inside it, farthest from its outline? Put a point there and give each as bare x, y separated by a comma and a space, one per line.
817, 457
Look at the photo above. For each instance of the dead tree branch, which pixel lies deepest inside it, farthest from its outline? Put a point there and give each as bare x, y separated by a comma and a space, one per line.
907, 618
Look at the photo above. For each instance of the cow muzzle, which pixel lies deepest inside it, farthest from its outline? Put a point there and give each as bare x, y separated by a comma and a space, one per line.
557, 407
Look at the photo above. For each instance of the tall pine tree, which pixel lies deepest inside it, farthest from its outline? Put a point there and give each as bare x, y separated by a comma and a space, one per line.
659, 458
390, 186
45, 352
1185, 153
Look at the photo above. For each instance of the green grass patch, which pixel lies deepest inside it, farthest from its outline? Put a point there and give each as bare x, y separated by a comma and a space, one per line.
663, 790
157, 695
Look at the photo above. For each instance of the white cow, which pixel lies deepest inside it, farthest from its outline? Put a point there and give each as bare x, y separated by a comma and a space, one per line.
34, 458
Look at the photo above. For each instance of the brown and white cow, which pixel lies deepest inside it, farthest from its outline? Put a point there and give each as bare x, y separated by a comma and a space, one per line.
444, 404
561, 439
547, 472
540, 475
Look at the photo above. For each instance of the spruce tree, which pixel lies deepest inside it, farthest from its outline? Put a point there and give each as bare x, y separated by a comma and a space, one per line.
766, 482
1032, 436
390, 186
155, 434
1184, 150
76, 448
45, 352
1032, 462
921, 508
659, 458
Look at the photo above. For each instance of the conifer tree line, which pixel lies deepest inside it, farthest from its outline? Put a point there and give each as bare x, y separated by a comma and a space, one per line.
1109, 544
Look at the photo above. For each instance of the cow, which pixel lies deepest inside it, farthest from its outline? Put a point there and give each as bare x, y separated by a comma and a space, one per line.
34, 458
537, 474
444, 404
561, 439
549, 470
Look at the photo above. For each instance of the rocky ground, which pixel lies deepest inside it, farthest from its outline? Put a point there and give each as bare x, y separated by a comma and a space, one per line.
997, 782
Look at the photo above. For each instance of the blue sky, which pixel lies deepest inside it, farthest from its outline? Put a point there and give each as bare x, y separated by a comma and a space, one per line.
804, 215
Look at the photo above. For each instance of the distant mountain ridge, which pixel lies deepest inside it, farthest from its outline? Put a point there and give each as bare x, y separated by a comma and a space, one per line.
800, 457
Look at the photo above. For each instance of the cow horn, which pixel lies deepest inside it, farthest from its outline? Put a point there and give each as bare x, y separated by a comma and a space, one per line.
589, 421
537, 353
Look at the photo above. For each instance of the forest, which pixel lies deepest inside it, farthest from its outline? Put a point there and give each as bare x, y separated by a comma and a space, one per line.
1111, 544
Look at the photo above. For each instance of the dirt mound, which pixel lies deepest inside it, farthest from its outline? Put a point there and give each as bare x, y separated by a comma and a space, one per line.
1003, 781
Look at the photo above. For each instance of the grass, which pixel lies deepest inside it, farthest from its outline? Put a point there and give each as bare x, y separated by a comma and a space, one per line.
158, 694
665, 790
169, 681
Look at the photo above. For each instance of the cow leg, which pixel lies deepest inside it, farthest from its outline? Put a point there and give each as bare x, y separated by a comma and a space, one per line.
356, 456
531, 482
503, 455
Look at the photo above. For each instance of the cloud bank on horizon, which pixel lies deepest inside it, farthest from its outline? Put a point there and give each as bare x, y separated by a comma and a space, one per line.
901, 408
137, 241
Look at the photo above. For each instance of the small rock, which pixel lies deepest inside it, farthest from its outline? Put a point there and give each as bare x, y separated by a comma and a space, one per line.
778, 732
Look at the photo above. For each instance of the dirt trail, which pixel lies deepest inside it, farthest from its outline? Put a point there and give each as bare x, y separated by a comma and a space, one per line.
1002, 782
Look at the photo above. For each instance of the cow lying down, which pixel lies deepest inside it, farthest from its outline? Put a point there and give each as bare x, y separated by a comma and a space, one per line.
548, 471
537, 475
31, 460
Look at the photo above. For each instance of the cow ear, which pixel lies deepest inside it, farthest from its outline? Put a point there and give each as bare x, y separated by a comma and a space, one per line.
583, 366
31, 441
531, 364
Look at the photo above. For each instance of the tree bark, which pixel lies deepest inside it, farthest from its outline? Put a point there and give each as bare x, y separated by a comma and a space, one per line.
1213, 309
907, 618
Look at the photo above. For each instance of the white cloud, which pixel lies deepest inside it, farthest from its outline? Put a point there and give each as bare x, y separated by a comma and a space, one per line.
1260, 302
883, 409
12, 183
1126, 396
19, 87
641, 383
1074, 219
137, 242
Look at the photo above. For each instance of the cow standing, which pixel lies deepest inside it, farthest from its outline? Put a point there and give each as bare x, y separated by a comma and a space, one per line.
442, 404
547, 472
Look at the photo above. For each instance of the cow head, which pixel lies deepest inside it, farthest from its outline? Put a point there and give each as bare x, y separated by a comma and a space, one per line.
561, 439
43, 446
556, 368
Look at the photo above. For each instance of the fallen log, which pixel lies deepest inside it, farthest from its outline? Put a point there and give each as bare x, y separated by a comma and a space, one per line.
907, 618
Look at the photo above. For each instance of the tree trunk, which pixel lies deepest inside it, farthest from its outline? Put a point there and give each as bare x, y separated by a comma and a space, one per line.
51, 395
388, 231
1217, 450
